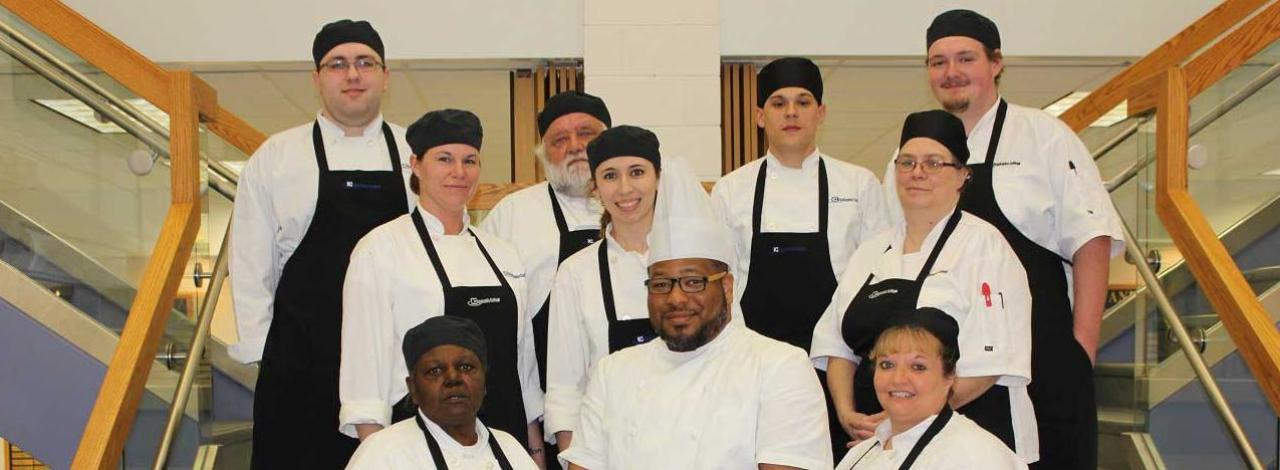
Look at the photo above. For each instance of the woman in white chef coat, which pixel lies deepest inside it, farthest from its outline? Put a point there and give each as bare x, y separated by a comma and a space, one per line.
599, 301
431, 262
944, 258
915, 369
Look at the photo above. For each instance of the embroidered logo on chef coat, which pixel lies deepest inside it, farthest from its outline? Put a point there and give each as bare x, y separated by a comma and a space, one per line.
512, 275
1013, 163
474, 302
841, 200
363, 186
882, 292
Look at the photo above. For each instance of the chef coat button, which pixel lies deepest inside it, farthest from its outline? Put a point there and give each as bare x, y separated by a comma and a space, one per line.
773, 176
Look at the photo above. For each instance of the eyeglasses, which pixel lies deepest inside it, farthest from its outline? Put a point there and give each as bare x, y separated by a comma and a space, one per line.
931, 166
688, 284
362, 65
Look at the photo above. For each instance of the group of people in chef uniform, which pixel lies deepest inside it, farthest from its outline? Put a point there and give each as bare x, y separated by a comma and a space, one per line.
804, 314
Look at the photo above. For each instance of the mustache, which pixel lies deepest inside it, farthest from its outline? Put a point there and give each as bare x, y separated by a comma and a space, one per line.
954, 82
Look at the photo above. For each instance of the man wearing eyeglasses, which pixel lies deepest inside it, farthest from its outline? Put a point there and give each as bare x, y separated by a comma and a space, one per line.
712, 393
306, 196
1035, 181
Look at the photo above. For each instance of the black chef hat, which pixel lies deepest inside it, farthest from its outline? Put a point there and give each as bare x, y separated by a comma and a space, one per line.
967, 23
344, 31
442, 330
624, 141
569, 102
940, 126
936, 322
445, 126
788, 72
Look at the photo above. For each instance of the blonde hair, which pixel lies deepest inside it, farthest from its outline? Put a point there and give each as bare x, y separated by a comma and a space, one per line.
909, 338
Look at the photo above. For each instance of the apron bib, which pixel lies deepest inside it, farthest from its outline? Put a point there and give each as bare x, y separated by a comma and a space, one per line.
437, 457
622, 333
295, 408
1062, 386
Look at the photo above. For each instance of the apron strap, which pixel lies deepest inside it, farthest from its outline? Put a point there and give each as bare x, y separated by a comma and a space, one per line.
555, 209
437, 456
392, 149
502, 280
317, 143
757, 205
998, 126
431, 250
934, 428
606, 282
937, 246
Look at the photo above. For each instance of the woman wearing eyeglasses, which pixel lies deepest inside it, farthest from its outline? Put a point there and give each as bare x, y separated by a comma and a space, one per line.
599, 298
915, 368
943, 258
428, 263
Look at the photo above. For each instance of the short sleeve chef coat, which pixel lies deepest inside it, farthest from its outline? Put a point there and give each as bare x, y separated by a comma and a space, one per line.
275, 201
960, 445
392, 287
524, 219
995, 328
403, 447
579, 329
1045, 181
738, 401
856, 207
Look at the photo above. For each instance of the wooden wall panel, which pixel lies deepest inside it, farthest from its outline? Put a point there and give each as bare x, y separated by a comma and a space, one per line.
530, 90
739, 135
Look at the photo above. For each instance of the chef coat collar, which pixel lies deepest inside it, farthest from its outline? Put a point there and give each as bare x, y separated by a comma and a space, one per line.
889, 265
446, 441
616, 249
435, 227
907, 439
808, 165
332, 133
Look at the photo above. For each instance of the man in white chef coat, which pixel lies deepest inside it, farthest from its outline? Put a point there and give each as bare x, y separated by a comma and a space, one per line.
711, 393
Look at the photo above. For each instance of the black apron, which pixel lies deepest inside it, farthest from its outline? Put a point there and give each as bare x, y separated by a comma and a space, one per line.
1062, 386
494, 309
790, 283
622, 333
295, 407
868, 315
437, 457
571, 241
932, 431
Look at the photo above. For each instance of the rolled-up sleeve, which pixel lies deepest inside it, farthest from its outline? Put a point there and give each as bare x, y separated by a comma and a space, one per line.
253, 257
590, 447
530, 384
1083, 207
370, 344
792, 429
995, 339
828, 338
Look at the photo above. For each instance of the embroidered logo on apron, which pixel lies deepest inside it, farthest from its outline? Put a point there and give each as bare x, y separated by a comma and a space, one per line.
882, 292
838, 199
474, 302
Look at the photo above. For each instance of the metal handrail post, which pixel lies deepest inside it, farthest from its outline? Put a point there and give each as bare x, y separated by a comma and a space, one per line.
1193, 356
194, 354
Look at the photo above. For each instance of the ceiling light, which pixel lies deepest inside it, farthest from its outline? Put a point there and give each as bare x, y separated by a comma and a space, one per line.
79, 112
1117, 114
1275, 172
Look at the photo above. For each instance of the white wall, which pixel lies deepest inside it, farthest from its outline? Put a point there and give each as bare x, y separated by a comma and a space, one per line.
274, 30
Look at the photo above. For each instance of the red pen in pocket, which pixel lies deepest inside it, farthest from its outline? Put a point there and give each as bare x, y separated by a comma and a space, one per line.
986, 293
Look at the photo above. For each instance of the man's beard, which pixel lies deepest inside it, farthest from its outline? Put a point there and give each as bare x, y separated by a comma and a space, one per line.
956, 106
704, 334
572, 180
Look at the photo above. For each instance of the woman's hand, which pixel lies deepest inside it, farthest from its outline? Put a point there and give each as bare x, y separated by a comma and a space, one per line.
537, 449
860, 426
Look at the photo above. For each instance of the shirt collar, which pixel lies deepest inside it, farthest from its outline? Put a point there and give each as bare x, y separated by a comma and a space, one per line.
890, 264
616, 249
904, 441
447, 441
808, 165
332, 132
730, 330
435, 226
988, 118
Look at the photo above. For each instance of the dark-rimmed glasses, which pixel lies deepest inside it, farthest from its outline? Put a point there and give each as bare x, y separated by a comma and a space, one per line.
688, 284
930, 166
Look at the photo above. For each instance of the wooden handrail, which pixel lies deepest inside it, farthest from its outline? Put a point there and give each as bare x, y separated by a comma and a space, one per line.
1172, 53
1232, 51
1247, 322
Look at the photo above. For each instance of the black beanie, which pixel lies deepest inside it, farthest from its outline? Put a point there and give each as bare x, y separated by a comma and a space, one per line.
788, 72
624, 141
344, 31
442, 330
940, 126
569, 102
936, 322
445, 126
967, 23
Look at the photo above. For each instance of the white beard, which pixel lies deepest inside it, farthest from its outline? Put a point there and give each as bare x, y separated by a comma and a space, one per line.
572, 181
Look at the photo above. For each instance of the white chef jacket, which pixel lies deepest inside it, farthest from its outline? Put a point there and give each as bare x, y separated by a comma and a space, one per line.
995, 336
392, 287
275, 201
1052, 204
403, 447
960, 445
578, 331
856, 209
525, 219
738, 401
